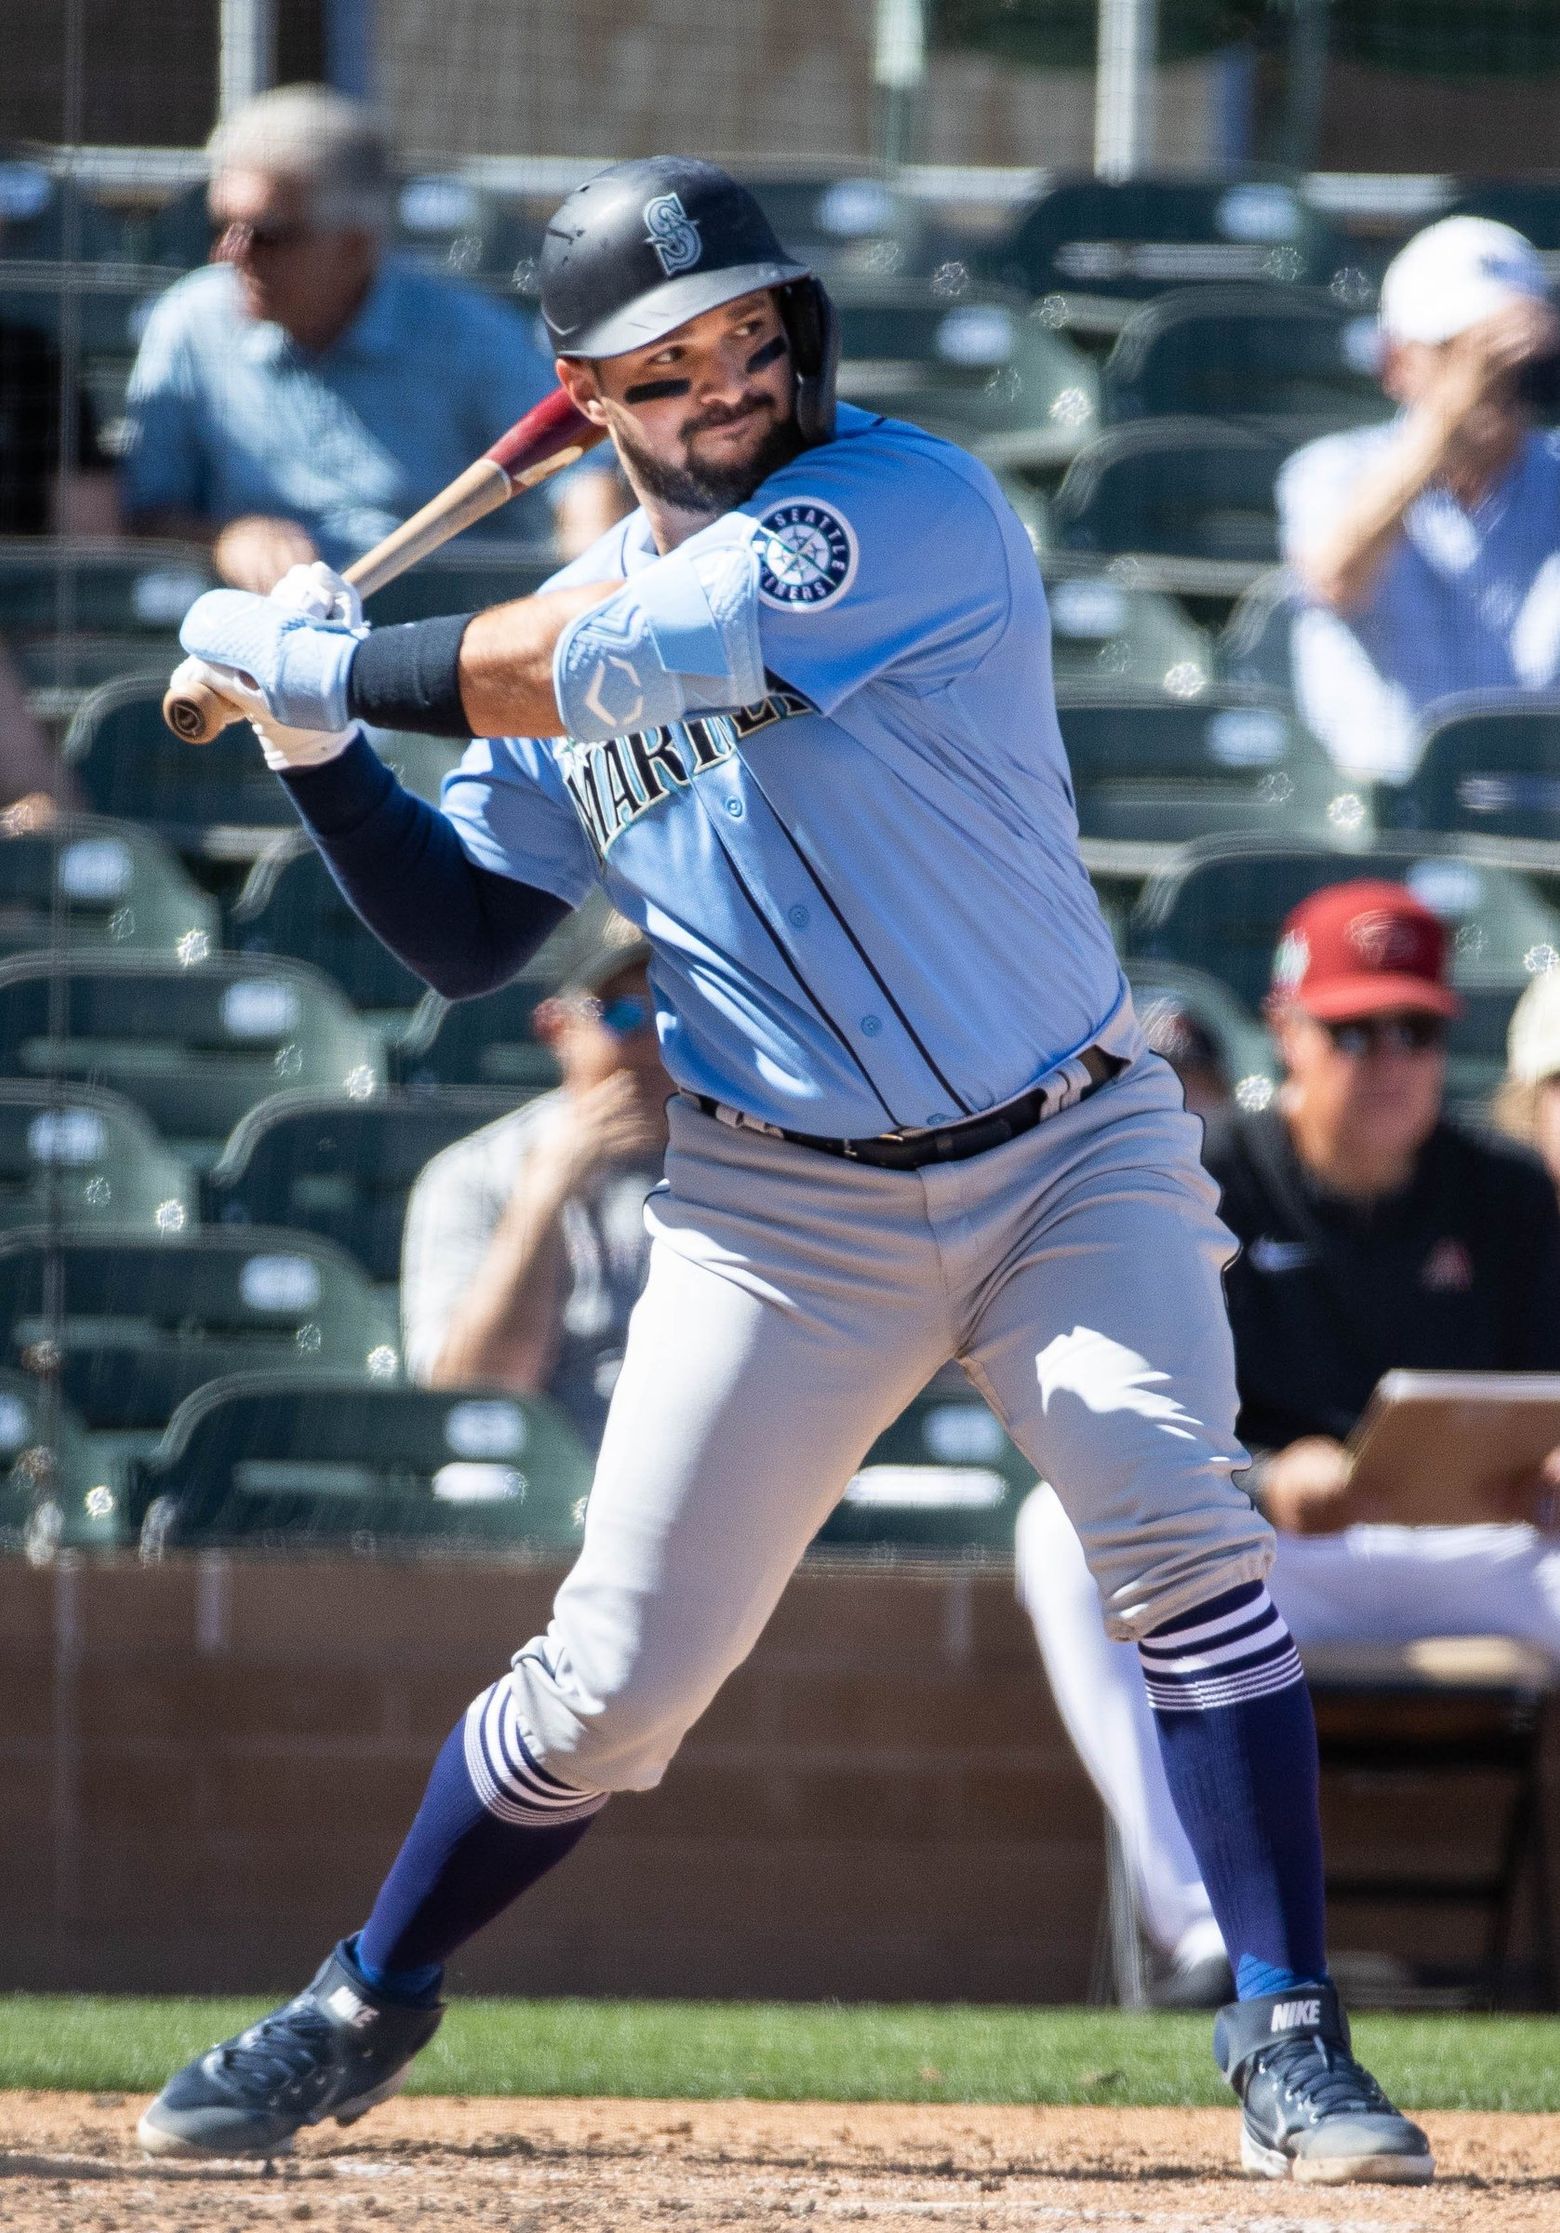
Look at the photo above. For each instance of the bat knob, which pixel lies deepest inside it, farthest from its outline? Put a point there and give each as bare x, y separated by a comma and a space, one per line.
185, 718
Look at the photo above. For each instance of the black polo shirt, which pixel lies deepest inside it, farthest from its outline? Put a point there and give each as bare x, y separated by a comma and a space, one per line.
30, 404
1460, 1272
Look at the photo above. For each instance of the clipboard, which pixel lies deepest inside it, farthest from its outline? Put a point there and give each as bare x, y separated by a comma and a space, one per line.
1444, 1449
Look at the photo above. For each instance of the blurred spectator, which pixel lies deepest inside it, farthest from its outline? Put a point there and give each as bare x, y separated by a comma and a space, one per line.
1374, 1234
525, 1245
54, 483
1429, 549
1527, 1106
309, 389
1188, 1046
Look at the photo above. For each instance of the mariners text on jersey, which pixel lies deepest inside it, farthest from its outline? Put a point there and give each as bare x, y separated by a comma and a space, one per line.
612, 784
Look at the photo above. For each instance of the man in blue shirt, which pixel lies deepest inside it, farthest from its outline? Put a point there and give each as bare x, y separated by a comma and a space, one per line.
795, 715
1427, 552
307, 391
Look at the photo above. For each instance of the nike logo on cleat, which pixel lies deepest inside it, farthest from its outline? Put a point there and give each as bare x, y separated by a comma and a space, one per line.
1290, 2014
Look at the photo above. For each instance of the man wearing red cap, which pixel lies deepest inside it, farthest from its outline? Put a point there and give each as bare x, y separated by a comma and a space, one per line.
1374, 1235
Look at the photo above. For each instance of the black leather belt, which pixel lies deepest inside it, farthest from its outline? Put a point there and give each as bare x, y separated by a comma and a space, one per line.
955, 1142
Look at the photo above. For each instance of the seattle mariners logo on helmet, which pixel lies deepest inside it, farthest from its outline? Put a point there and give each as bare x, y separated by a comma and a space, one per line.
673, 234
806, 554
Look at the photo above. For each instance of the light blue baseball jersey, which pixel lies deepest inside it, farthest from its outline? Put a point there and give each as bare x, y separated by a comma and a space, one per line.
1466, 599
228, 416
864, 893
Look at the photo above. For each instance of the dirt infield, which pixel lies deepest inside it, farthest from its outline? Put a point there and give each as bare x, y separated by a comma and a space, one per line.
70, 2161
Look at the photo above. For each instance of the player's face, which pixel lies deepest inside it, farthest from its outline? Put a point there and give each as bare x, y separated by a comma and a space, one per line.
703, 416
1370, 1089
291, 273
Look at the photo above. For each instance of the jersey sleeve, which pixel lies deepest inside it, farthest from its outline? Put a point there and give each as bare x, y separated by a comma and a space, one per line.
163, 468
513, 815
871, 561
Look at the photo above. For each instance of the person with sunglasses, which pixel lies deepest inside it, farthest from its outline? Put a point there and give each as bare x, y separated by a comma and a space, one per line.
1374, 1234
525, 1246
312, 387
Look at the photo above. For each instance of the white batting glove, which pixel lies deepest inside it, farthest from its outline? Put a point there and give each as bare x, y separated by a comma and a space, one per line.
283, 748
319, 593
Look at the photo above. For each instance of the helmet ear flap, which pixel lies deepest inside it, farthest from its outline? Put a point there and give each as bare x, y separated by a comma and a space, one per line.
813, 328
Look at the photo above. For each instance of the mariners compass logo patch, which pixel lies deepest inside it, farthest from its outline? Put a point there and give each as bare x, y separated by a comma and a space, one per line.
806, 554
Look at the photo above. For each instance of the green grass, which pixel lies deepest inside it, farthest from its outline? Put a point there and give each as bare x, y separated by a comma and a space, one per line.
708, 2050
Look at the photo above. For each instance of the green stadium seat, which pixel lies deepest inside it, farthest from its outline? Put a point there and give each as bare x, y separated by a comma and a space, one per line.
847, 227
130, 590
1189, 490
194, 1047
1220, 905
1244, 353
1102, 247
53, 1496
483, 575
973, 367
483, 1042
76, 1157
90, 883
449, 224
129, 1325
289, 1461
1490, 768
1154, 770
1118, 636
1244, 1049
291, 905
944, 1480
341, 1169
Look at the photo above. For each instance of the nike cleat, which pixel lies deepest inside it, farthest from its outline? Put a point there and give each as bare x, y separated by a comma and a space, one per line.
333, 2052
1309, 2111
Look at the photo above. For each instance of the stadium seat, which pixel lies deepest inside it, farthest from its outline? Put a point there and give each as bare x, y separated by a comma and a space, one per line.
83, 1159
122, 590
193, 1046
1220, 905
216, 801
1189, 490
1153, 770
1244, 1049
341, 1169
848, 228
90, 883
484, 1042
1244, 353
944, 1480
973, 367
1490, 768
449, 224
1122, 637
483, 575
1104, 247
291, 905
129, 1325
53, 1495
290, 1461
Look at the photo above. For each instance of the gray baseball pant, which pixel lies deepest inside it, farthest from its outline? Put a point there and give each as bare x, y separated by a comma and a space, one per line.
796, 1303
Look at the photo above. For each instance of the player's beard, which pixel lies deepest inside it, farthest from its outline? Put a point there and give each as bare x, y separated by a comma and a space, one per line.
698, 487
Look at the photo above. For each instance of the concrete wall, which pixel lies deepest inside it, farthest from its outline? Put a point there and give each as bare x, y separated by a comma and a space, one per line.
205, 1768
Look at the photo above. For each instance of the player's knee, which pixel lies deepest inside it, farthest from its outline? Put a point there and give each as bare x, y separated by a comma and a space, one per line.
602, 1721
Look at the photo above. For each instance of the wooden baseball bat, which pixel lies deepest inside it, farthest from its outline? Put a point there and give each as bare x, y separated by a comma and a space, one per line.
547, 439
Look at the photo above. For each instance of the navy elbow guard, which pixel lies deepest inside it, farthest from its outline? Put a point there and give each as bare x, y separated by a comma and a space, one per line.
409, 677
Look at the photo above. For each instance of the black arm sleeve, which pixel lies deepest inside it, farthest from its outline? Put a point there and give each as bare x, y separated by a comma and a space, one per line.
463, 929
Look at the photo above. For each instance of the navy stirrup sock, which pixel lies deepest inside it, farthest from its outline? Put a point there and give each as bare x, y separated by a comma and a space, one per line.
1238, 1741
491, 1822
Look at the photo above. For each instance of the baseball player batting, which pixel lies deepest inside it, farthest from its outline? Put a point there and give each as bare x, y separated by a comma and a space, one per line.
796, 716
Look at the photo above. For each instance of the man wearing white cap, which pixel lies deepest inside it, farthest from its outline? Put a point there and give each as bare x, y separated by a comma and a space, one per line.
1427, 551
1527, 1107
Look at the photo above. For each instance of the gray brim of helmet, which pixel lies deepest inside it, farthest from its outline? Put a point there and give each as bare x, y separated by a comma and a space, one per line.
660, 312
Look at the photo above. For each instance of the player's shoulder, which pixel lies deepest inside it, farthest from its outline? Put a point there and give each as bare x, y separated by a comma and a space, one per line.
886, 461
625, 544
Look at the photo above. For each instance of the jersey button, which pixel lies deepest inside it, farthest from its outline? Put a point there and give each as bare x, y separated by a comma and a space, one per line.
939, 1116
871, 1025
798, 917
734, 809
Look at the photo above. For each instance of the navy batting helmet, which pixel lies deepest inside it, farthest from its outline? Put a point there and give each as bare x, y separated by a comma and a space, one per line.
646, 245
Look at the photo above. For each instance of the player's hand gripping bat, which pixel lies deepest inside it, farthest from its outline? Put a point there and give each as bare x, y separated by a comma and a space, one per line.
547, 439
